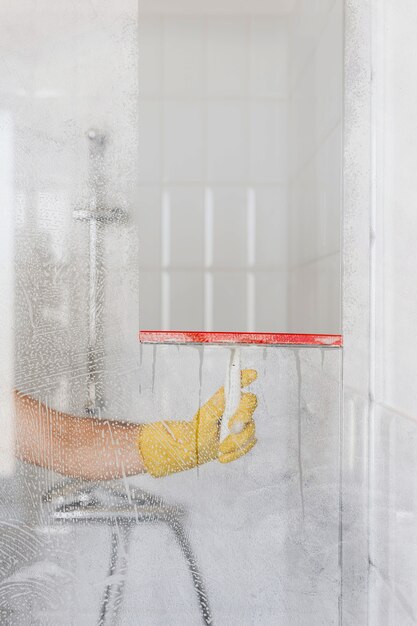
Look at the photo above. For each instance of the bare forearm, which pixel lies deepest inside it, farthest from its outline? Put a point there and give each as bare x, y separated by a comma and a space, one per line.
81, 447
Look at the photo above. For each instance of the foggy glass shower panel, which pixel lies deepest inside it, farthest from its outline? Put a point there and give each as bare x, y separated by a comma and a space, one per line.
253, 541
69, 269
266, 528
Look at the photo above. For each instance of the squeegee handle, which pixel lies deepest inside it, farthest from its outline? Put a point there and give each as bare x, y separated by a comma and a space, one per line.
232, 392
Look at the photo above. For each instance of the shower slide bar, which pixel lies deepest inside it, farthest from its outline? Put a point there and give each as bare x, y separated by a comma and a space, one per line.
107, 504
97, 216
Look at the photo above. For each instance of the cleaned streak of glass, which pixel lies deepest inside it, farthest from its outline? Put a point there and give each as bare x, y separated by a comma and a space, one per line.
200, 353
296, 353
153, 367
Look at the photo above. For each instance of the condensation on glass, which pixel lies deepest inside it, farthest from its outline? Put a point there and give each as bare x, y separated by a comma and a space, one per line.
265, 530
256, 541
68, 275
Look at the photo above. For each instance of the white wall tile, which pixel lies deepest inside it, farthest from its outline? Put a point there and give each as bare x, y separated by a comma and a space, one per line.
184, 150
229, 228
187, 226
227, 56
55, 75
399, 295
229, 301
268, 142
271, 225
150, 300
303, 300
241, 143
315, 164
148, 219
150, 55
316, 99
315, 288
393, 295
268, 57
187, 301
304, 224
302, 121
271, 301
329, 72
183, 56
396, 214
93, 50
328, 172
150, 156
306, 23
227, 142
315, 204
329, 294
393, 547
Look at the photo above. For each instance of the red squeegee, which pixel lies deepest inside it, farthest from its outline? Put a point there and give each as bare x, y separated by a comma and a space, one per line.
283, 339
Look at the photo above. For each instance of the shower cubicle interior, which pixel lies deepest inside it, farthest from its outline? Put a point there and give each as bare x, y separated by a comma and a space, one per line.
229, 180
240, 125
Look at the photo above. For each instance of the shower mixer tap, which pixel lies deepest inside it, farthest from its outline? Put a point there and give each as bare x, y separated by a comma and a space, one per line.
97, 215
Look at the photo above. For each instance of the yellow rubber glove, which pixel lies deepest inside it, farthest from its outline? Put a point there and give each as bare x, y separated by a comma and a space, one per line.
168, 447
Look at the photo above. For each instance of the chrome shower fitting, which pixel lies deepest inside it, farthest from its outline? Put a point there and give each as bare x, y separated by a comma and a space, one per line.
122, 510
97, 215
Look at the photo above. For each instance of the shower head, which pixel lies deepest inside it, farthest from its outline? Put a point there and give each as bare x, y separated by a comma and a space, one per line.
96, 136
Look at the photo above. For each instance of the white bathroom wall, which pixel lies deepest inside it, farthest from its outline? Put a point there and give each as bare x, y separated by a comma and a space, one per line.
213, 169
315, 128
393, 546
380, 308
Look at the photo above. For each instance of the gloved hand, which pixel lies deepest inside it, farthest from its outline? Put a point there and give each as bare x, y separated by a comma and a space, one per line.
168, 447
